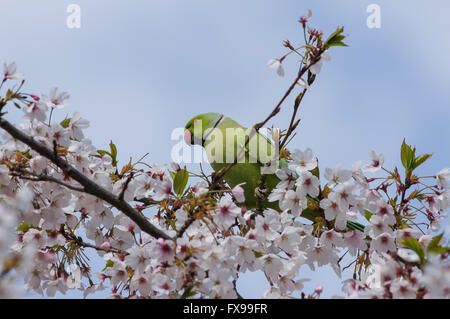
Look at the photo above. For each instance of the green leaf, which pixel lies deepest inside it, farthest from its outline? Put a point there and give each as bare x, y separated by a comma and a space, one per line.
188, 292
172, 224
415, 246
109, 263
335, 39
433, 246
113, 149
180, 181
10, 95
258, 254
17, 105
101, 152
113, 153
368, 214
434, 242
24, 227
65, 123
420, 160
407, 156
315, 172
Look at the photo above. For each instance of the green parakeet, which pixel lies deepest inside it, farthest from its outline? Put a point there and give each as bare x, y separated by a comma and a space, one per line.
222, 139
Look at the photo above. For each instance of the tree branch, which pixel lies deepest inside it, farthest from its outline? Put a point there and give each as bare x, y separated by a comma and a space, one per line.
89, 186
79, 241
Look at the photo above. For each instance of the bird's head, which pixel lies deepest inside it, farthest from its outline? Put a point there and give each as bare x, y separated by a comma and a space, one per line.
198, 128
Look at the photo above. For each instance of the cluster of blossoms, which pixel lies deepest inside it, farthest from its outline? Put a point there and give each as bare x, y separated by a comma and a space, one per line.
164, 233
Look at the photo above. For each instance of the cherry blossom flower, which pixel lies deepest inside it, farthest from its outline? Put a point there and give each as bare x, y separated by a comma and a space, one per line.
288, 240
383, 243
162, 190
276, 64
358, 175
35, 110
443, 178
35, 237
141, 282
354, 240
332, 207
294, 201
307, 183
59, 134
4, 175
377, 162
226, 213
200, 189
243, 250
303, 83
277, 194
287, 178
238, 193
118, 273
138, 258
55, 99
267, 226
74, 280
402, 289
321, 255
77, 124
302, 161
330, 238
378, 225
181, 216
436, 277
122, 239
164, 249
7, 222
401, 234
381, 208
304, 19
38, 164
345, 195
337, 175
271, 265
9, 72
317, 66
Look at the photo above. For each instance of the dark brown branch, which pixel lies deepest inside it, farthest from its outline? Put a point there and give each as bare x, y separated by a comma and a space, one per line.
89, 186
125, 186
148, 201
185, 226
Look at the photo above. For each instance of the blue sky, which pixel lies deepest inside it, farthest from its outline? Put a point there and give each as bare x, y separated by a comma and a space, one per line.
137, 70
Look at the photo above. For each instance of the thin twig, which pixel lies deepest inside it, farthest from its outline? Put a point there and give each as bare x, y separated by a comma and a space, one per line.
82, 243
44, 178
